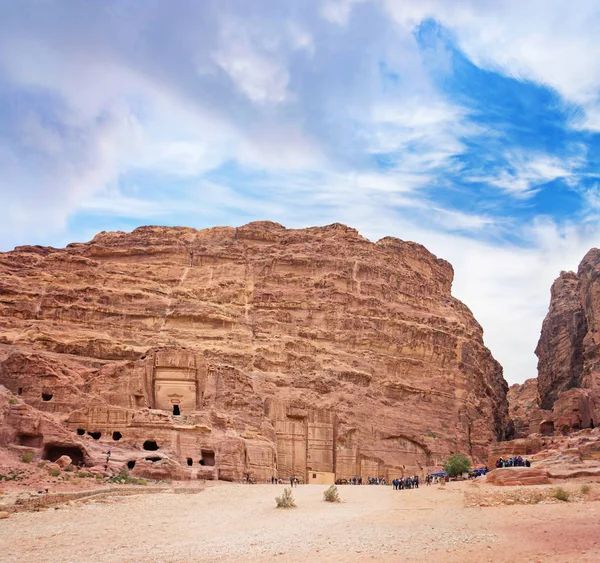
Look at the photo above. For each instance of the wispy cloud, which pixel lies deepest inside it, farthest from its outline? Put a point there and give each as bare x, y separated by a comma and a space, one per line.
461, 125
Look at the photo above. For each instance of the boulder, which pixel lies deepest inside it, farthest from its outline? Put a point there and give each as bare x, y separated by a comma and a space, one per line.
64, 461
518, 476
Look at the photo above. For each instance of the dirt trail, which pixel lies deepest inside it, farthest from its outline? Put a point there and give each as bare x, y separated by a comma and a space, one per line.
239, 523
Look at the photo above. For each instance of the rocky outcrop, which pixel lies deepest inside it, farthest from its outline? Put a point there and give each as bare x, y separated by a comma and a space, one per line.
560, 348
243, 353
523, 408
568, 368
559, 457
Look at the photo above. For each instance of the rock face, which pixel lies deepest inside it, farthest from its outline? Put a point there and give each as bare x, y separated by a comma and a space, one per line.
559, 457
244, 352
568, 368
523, 407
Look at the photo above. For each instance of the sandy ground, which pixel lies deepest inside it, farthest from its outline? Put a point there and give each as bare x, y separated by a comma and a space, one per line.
239, 523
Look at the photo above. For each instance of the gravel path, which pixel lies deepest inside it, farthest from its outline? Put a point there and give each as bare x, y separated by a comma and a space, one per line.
240, 523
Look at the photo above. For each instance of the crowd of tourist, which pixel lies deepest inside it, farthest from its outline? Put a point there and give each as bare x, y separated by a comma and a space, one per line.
406, 483
516, 461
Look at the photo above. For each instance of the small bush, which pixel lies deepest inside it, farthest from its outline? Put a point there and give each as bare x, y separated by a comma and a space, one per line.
27, 457
331, 494
286, 500
561, 494
99, 477
84, 474
536, 498
69, 468
124, 478
585, 489
54, 472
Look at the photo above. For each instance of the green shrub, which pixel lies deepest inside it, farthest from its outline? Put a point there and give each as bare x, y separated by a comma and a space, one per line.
124, 478
27, 457
69, 468
99, 477
331, 494
54, 472
457, 464
286, 500
585, 489
561, 494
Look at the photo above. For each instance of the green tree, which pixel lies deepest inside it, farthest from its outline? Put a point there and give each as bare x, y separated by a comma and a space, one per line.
457, 464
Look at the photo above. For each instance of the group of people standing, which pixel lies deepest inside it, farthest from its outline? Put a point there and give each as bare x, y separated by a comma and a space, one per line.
516, 461
406, 483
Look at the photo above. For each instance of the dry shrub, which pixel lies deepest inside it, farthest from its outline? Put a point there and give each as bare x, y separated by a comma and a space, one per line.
27, 457
286, 500
585, 489
54, 472
331, 494
561, 494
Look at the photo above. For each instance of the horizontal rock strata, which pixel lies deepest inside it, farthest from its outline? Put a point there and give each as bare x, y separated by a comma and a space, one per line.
243, 353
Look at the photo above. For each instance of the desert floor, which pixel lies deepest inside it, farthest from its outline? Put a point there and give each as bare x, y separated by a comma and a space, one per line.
228, 522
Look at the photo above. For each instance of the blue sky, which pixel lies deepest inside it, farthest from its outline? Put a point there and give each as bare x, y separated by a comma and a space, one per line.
471, 127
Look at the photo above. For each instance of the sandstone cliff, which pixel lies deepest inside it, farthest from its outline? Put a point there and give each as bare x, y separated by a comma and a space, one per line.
244, 352
568, 370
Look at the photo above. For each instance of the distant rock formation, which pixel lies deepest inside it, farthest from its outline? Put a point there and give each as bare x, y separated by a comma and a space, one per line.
568, 350
243, 353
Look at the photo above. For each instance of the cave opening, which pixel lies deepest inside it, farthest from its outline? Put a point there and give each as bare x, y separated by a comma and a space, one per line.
54, 451
95, 435
116, 436
130, 464
190, 461
592, 423
201, 461
208, 457
176, 411
20, 391
30, 440
547, 428
47, 396
150, 445
153, 459
80, 431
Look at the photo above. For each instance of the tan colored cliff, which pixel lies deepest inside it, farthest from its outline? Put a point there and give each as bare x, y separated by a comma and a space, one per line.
243, 353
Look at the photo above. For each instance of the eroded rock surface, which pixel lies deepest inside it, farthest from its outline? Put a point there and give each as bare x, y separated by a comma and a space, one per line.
243, 353
568, 368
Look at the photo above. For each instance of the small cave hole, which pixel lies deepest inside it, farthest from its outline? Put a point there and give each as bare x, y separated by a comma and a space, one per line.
153, 459
176, 411
143, 357
208, 457
201, 462
47, 396
20, 391
117, 436
80, 431
130, 464
591, 423
95, 435
190, 461
150, 445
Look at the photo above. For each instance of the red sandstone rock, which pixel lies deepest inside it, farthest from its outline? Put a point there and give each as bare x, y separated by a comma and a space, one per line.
509, 476
243, 353
64, 461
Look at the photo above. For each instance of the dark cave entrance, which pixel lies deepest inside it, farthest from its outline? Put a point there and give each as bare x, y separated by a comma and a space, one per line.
190, 461
176, 411
150, 445
117, 436
80, 432
47, 396
208, 458
95, 435
53, 451
130, 464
